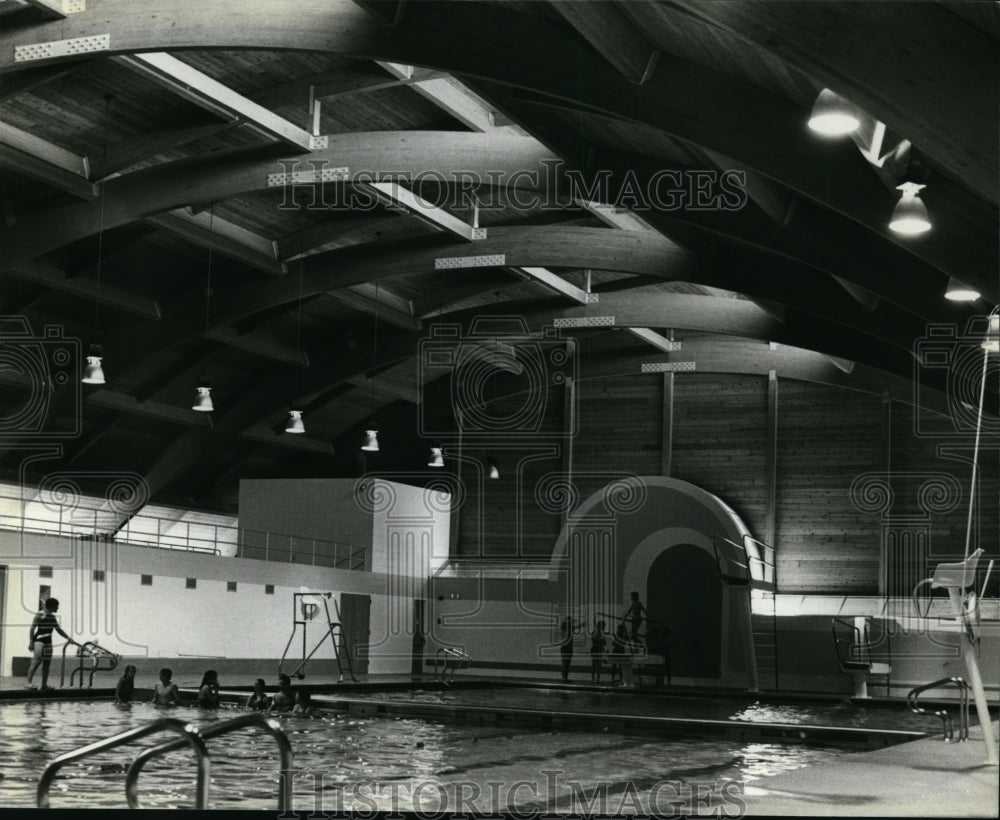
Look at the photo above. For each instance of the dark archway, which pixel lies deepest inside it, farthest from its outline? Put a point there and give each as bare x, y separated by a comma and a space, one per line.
683, 594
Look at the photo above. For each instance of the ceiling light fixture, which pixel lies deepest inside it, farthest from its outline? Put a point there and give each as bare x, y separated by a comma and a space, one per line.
832, 115
93, 373
494, 472
910, 217
437, 457
370, 444
203, 399
960, 292
294, 424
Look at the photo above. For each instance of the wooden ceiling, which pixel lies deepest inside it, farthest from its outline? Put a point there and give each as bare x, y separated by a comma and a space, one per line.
142, 143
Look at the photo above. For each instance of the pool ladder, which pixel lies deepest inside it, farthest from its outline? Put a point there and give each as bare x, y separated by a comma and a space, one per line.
455, 658
191, 736
101, 660
963, 707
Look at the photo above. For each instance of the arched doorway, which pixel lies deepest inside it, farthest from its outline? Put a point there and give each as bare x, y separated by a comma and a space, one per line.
684, 594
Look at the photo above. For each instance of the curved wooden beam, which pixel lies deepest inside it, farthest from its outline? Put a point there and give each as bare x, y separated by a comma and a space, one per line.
174, 185
747, 123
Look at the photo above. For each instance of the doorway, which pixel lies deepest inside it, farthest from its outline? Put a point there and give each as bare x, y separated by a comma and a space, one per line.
355, 613
684, 606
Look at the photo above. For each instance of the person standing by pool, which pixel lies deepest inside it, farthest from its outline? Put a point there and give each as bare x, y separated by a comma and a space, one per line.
166, 693
566, 647
40, 641
208, 692
633, 616
598, 642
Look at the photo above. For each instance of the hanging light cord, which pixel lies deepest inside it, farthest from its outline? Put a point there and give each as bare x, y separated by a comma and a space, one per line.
375, 347
208, 278
975, 449
298, 312
100, 220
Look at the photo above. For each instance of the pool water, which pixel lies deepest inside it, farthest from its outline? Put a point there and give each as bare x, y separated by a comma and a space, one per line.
847, 714
344, 762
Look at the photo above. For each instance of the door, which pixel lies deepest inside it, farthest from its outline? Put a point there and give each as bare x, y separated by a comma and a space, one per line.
419, 637
355, 611
684, 605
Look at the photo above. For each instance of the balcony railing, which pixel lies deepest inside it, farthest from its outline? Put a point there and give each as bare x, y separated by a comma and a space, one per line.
168, 533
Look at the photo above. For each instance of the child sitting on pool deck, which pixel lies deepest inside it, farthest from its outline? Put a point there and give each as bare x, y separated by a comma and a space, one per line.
165, 693
126, 685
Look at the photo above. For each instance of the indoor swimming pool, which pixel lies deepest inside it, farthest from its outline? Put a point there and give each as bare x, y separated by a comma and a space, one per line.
345, 761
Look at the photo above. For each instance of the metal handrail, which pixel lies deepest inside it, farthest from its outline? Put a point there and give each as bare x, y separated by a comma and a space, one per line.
729, 577
284, 547
446, 654
857, 650
97, 653
189, 735
963, 707
272, 727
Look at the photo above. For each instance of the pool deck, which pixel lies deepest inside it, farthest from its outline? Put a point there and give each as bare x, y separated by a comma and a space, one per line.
923, 778
920, 778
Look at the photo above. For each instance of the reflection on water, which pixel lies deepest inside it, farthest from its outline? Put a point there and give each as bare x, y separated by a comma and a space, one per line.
366, 762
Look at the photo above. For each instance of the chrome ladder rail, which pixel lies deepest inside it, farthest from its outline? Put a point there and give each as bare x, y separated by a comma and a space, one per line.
963, 707
189, 736
447, 654
214, 730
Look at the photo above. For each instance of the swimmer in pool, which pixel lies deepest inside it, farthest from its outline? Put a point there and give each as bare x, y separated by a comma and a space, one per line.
208, 692
166, 693
126, 685
259, 700
303, 704
284, 701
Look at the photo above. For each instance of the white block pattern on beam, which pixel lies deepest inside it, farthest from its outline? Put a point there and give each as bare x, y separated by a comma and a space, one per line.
61, 48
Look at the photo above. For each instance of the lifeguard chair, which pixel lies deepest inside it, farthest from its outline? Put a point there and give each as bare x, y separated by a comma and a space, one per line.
305, 606
959, 578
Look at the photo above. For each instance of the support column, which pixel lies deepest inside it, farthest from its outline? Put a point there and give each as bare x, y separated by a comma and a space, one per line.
667, 430
771, 460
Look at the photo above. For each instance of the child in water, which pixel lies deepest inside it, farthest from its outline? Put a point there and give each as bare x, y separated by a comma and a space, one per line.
303, 704
126, 685
259, 700
165, 693
208, 692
